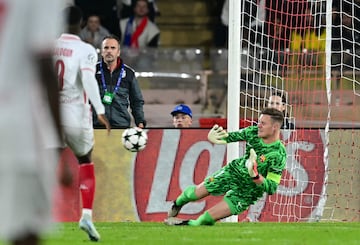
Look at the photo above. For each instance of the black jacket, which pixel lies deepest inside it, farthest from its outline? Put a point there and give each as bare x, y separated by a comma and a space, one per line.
128, 95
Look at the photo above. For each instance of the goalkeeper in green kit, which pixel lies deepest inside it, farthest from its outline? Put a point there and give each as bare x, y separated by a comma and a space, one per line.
243, 180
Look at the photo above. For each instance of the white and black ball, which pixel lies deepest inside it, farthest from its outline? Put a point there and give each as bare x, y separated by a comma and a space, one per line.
134, 139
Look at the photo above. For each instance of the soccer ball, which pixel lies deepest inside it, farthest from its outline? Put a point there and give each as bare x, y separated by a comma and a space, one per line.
134, 139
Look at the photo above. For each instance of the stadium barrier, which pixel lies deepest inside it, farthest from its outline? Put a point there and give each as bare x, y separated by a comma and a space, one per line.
140, 186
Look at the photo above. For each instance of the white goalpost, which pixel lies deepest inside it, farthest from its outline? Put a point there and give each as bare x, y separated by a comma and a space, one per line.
234, 62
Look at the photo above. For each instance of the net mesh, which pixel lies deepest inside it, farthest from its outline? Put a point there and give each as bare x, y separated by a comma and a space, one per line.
284, 50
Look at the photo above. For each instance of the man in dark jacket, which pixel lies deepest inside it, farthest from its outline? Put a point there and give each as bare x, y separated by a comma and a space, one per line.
119, 88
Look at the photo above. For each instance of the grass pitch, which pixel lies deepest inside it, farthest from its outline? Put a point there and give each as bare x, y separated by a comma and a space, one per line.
222, 233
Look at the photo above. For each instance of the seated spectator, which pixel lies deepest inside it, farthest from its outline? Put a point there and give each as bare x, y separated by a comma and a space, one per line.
125, 9
107, 10
182, 116
94, 32
139, 31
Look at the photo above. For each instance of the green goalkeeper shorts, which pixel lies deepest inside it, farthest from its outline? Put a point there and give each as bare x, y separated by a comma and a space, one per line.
239, 189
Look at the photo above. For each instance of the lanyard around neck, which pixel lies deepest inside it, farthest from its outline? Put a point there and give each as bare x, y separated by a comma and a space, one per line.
117, 86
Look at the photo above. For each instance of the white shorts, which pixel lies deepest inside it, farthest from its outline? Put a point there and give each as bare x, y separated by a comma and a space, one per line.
80, 140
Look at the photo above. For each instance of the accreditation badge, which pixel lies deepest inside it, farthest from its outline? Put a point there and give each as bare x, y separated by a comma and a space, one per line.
108, 98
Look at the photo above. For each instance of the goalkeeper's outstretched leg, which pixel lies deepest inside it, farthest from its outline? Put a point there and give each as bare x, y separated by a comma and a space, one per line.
191, 193
209, 217
194, 193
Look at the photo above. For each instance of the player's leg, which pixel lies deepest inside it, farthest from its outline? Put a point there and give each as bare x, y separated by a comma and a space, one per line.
236, 199
81, 142
232, 204
26, 194
209, 217
191, 193
87, 183
87, 190
216, 184
221, 210
24, 211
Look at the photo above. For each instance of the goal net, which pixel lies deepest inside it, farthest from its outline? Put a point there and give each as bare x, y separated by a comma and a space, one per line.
308, 52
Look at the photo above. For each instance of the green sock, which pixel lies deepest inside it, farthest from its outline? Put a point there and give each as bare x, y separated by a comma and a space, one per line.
188, 195
204, 219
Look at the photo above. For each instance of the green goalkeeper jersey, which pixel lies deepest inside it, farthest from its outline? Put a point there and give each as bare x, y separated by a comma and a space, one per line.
271, 158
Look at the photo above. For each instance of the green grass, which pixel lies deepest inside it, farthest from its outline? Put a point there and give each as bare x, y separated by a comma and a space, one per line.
222, 233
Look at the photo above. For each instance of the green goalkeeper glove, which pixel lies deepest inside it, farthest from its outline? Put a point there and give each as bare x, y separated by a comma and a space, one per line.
217, 134
251, 165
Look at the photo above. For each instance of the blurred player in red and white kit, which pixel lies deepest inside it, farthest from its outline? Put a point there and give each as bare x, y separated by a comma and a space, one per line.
30, 119
75, 62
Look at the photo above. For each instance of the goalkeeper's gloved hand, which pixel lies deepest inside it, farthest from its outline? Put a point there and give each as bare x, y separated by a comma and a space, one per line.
217, 134
251, 164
